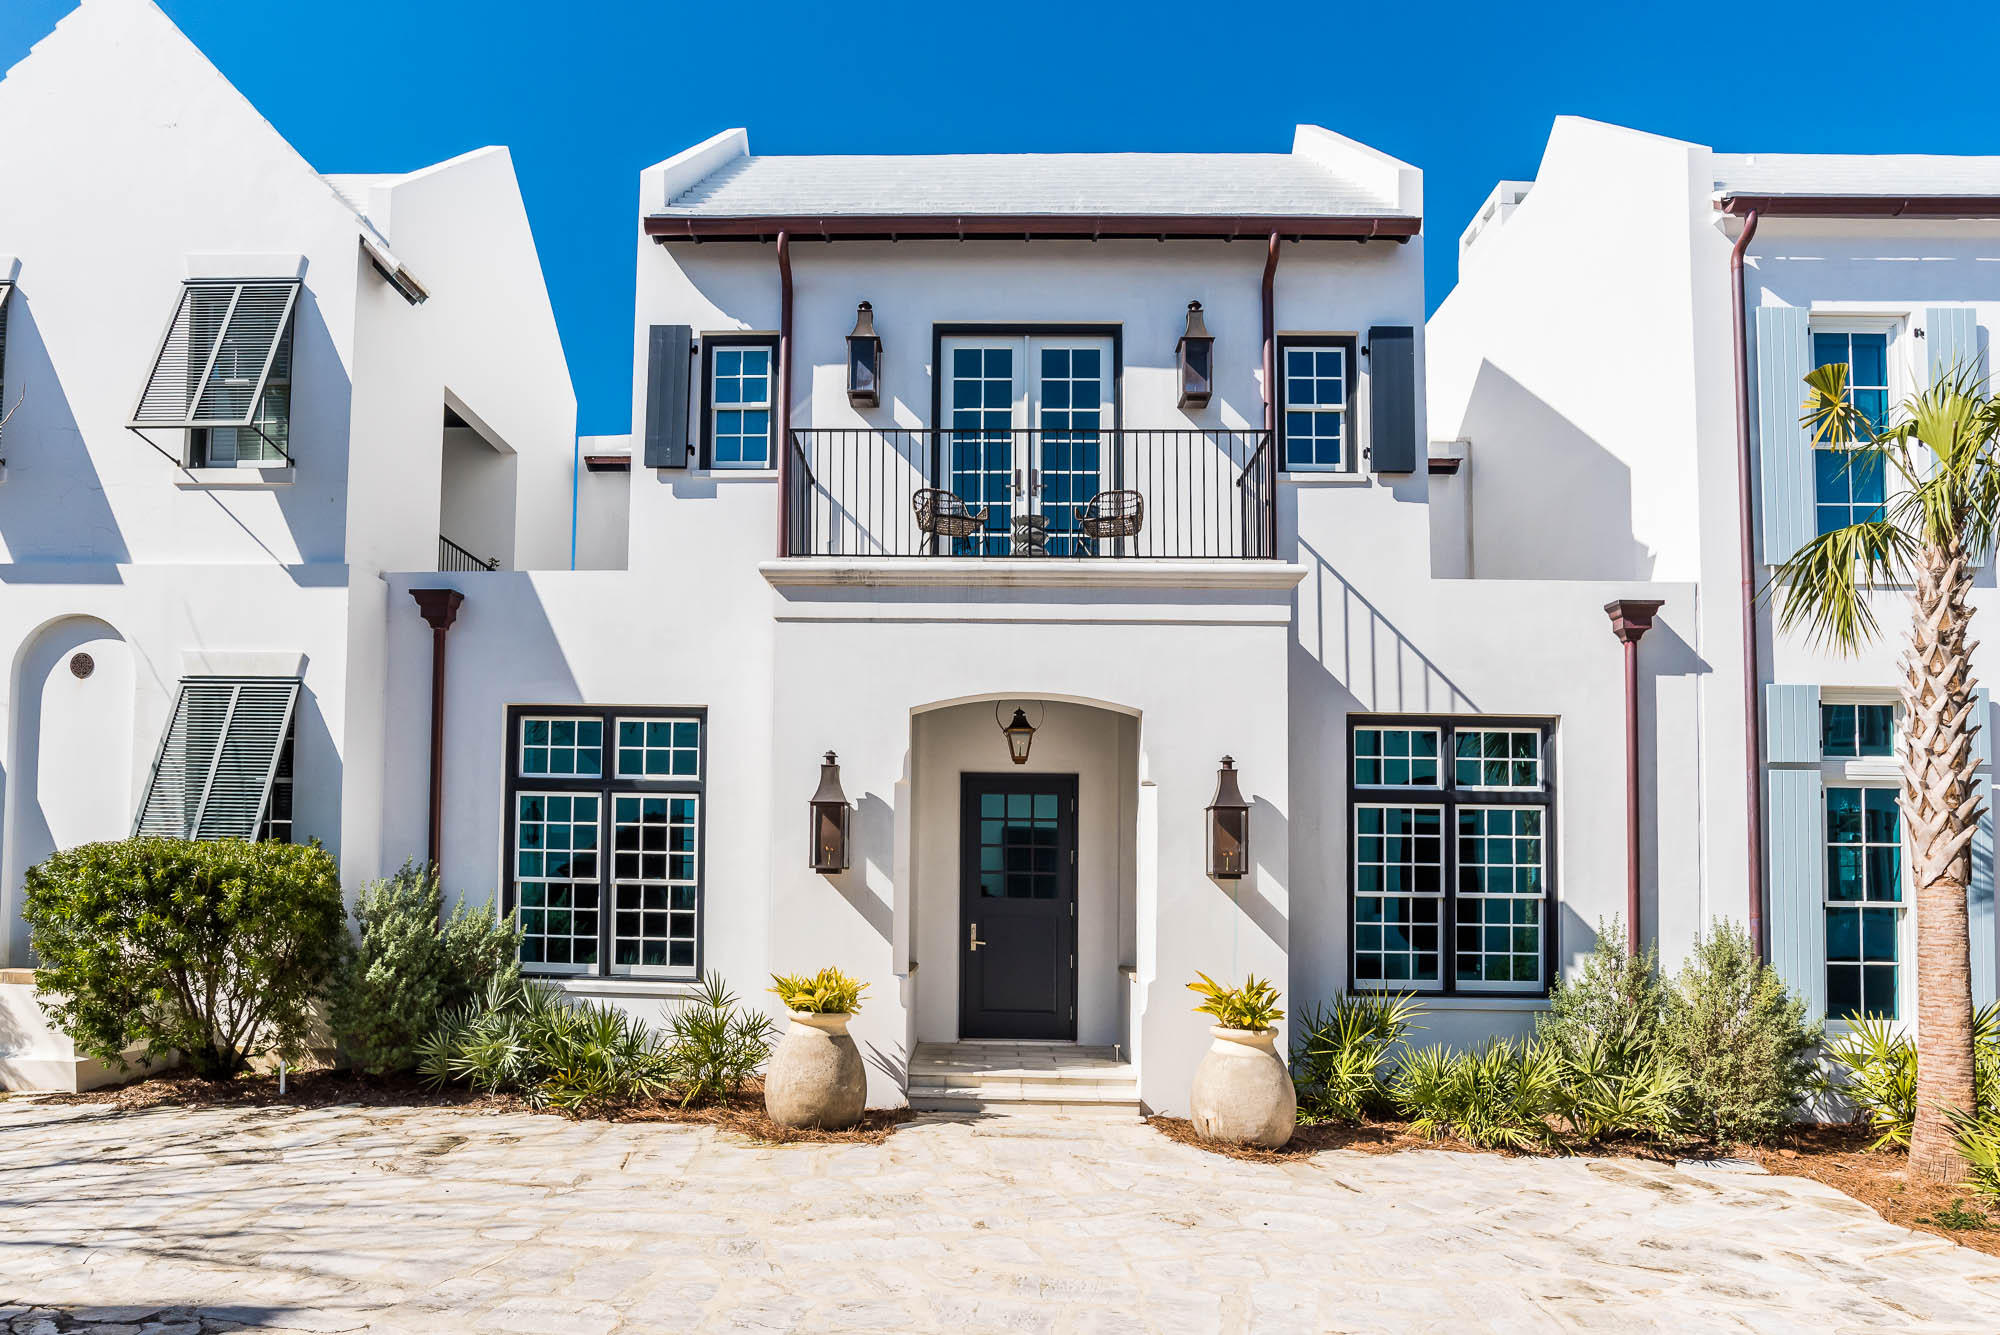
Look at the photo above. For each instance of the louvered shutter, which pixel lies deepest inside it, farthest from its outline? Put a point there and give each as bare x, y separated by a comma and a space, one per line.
1392, 399
1784, 355
669, 354
1796, 838
1951, 339
212, 779
216, 358
1981, 925
6, 290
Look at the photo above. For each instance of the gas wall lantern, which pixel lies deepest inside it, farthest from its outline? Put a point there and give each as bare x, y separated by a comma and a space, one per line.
1228, 827
1196, 354
829, 811
864, 360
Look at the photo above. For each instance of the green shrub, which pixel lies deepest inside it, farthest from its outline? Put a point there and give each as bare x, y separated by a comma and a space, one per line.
1979, 1145
828, 992
1614, 999
1618, 1090
1739, 1039
217, 950
1504, 1095
409, 966
717, 1044
1341, 1049
1251, 1006
1874, 1068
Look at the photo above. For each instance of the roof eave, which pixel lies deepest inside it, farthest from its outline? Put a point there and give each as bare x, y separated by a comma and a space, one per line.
1002, 226
1861, 206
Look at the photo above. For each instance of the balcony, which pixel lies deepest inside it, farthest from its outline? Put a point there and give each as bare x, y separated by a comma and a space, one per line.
452, 557
1009, 493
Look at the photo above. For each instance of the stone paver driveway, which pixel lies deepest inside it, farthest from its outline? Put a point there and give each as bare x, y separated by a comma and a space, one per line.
429, 1220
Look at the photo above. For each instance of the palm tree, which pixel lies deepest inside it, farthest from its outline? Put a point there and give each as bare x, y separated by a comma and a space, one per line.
1942, 452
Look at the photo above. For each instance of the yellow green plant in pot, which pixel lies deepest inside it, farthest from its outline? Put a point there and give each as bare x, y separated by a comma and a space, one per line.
1242, 1092
816, 1078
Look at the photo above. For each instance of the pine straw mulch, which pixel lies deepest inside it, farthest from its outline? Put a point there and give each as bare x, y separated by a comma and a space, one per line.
741, 1114
1835, 1155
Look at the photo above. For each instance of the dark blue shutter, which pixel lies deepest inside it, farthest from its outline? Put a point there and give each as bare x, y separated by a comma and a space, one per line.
1392, 380
669, 357
1784, 355
1796, 837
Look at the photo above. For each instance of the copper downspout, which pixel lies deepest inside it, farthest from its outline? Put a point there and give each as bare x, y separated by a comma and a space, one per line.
1270, 295
1631, 618
782, 437
1752, 772
439, 608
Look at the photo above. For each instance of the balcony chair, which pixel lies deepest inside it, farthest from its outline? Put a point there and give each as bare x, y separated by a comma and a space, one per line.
1110, 514
944, 514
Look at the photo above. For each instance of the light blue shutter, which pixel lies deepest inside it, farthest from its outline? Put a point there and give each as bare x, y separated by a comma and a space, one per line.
1784, 355
1982, 929
1951, 336
1796, 836
212, 778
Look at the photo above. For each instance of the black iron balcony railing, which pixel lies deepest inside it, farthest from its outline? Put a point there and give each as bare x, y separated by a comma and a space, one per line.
1044, 492
451, 556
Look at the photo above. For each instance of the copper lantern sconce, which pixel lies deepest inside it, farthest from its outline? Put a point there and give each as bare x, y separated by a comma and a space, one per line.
829, 819
1196, 354
1228, 827
864, 360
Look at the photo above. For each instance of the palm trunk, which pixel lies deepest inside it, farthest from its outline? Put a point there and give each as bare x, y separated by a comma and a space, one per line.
1941, 812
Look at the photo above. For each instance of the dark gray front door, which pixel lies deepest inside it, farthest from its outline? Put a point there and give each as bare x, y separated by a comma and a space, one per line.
1017, 940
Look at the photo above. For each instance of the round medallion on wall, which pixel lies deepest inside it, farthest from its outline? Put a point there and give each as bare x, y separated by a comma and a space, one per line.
81, 665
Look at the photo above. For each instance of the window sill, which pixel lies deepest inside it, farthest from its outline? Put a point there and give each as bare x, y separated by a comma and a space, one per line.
1308, 478
657, 989
1497, 1001
252, 478
739, 474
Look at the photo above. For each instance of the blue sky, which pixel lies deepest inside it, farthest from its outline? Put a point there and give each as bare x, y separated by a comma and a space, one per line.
587, 94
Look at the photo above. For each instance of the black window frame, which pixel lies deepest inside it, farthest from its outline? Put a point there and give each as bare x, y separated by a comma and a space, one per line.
1449, 797
606, 786
709, 343
1350, 415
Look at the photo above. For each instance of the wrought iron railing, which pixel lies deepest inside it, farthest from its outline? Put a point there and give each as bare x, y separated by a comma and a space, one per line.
1186, 494
451, 556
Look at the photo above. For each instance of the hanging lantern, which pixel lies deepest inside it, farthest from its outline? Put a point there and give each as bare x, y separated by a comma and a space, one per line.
1020, 736
864, 360
829, 819
1228, 827
1196, 353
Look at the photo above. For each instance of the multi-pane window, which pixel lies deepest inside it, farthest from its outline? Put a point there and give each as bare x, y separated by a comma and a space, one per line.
1864, 902
606, 859
1318, 398
1847, 487
740, 398
1019, 845
1452, 889
1855, 731
239, 361
1395, 757
277, 827
1072, 416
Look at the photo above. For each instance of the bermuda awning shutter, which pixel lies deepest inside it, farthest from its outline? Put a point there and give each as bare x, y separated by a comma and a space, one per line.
213, 776
214, 363
6, 290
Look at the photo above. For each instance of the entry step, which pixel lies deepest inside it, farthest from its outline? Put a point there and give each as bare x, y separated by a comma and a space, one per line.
1000, 1077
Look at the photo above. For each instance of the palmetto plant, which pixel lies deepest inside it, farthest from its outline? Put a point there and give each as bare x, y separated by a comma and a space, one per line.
1941, 453
1252, 1006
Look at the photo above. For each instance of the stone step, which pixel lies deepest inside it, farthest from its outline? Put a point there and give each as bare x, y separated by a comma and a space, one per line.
992, 1077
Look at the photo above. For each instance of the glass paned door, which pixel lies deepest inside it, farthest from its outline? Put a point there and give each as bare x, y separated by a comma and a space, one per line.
1027, 424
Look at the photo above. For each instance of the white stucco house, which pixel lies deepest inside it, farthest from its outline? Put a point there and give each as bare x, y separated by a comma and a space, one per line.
1663, 428
237, 391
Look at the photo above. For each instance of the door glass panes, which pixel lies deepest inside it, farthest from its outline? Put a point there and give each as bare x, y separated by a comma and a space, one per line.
1398, 894
981, 447
555, 877
571, 748
1864, 892
659, 748
741, 397
1500, 895
1852, 731
1848, 488
1071, 444
1497, 758
1396, 757
653, 858
1316, 386
1019, 845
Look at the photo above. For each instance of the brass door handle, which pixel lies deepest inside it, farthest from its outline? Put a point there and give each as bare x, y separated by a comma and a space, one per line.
974, 942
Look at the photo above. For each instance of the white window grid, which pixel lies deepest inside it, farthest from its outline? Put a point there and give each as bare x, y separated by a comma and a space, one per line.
556, 848
1319, 389
740, 407
1516, 766
658, 748
1398, 896
1502, 870
1397, 758
655, 882
552, 746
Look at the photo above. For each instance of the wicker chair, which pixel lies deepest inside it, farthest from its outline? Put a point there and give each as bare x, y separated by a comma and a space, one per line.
1111, 514
944, 514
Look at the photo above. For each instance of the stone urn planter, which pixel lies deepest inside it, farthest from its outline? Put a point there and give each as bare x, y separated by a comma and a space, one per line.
1243, 1094
815, 1078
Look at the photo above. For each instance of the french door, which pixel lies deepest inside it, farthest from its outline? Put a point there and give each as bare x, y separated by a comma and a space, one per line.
1027, 421
1017, 906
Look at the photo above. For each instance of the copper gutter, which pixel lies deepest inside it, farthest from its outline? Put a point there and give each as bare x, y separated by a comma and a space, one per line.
1269, 293
1631, 618
782, 437
1753, 774
439, 608
1861, 206
1016, 226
